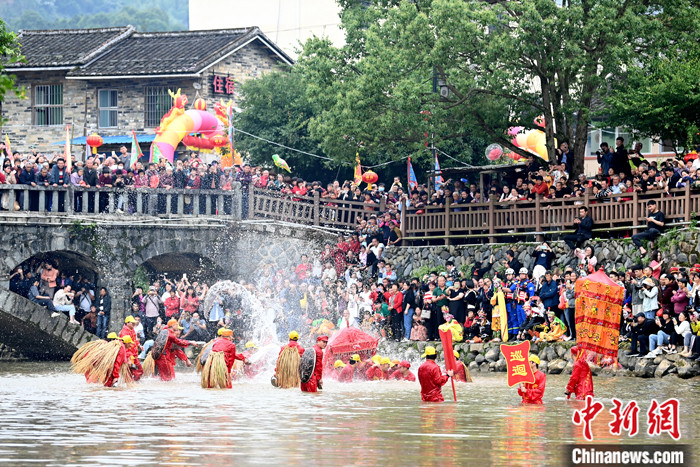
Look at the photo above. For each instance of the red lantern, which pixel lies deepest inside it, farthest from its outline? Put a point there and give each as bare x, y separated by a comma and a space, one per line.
369, 178
94, 141
219, 141
200, 104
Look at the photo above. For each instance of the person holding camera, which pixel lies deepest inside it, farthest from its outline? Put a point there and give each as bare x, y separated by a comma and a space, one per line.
655, 226
605, 157
659, 342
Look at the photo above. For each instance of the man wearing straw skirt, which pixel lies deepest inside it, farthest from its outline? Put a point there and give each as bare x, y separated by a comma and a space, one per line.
164, 363
217, 369
316, 381
133, 349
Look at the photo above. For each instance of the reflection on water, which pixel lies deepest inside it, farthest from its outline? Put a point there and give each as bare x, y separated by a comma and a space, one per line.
50, 416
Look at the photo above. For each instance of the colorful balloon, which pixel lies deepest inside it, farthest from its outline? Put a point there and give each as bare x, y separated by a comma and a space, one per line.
281, 163
494, 151
514, 130
521, 140
539, 121
534, 137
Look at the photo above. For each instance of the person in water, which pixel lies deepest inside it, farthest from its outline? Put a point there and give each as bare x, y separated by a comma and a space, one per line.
431, 377
532, 392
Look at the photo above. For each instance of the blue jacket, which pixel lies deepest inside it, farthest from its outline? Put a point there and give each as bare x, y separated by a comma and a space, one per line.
549, 294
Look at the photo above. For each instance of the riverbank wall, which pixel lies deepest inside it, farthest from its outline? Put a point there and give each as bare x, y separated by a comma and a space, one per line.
555, 358
680, 247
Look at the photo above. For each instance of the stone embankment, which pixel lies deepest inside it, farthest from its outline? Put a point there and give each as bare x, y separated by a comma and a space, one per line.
679, 247
555, 359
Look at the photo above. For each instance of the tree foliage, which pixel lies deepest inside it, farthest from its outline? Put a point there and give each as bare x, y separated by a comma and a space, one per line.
156, 15
10, 53
503, 62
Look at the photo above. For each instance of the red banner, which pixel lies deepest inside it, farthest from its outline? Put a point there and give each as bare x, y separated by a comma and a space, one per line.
448, 351
517, 357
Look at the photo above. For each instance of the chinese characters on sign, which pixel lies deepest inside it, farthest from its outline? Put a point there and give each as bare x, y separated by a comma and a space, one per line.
661, 418
519, 370
223, 85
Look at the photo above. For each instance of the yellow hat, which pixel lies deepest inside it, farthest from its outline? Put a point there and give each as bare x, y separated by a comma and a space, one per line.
338, 364
226, 332
127, 340
112, 335
250, 345
429, 350
355, 358
294, 335
376, 358
385, 361
534, 358
456, 354
129, 319
219, 331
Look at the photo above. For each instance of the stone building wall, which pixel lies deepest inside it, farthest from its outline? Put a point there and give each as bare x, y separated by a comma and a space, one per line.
80, 105
679, 247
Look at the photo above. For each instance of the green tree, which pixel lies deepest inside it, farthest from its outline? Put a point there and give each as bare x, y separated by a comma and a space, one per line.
660, 100
500, 63
275, 108
10, 53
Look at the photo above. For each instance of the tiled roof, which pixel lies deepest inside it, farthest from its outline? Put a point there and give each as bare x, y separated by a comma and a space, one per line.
159, 53
66, 47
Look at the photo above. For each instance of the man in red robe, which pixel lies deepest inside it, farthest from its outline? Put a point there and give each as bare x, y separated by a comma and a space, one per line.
133, 350
581, 381
431, 378
532, 392
461, 371
225, 344
379, 371
316, 381
166, 362
403, 372
348, 371
118, 362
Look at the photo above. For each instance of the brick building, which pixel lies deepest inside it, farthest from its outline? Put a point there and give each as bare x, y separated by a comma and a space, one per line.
111, 81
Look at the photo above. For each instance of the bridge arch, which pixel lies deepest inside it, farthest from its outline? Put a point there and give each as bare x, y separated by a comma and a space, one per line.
173, 265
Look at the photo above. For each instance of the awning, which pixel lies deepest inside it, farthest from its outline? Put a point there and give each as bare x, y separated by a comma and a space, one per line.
121, 139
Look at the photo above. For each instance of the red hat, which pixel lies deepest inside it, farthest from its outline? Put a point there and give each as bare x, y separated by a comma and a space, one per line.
405, 364
322, 338
674, 269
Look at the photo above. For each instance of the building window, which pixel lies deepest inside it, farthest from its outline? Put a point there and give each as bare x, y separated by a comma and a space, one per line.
107, 103
158, 102
48, 105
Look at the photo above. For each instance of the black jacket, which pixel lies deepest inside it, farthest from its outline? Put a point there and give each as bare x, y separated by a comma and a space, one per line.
585, 226
104, 304
90, 177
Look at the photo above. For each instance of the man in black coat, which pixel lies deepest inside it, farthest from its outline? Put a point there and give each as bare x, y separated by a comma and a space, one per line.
641, 330
583, 225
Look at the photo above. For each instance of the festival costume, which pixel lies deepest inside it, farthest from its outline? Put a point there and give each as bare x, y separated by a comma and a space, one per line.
317, 376
400, 376
376, 373
522, 290
228, 348
555, 331
499, 316
347, 373
118, 362
166, 362
132, 353
431, 381
460, 372
533, 392
581, 381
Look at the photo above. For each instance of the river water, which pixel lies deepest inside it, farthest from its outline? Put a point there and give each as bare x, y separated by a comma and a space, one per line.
52, 417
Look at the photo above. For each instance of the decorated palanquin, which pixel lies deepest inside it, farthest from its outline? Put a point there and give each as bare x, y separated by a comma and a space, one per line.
598, 310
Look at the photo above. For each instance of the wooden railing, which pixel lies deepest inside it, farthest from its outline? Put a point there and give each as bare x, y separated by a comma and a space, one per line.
160, 202
452, 223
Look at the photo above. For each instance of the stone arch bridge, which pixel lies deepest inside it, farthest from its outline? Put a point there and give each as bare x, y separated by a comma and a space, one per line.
114, 248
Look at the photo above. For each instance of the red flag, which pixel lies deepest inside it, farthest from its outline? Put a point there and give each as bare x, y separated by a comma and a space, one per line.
450, 362
517, 359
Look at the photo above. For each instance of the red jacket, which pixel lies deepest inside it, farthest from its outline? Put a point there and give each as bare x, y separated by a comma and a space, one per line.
172, 305
347, 373
118, 362
581, 381
292, 343
534, 391
172, 339
397, 303
127, 331
398, 375
374, 373
431, 381
460, 372
224, 345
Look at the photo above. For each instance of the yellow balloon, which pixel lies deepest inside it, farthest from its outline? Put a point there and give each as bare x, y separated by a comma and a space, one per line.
533, 138
541, 150
521, 140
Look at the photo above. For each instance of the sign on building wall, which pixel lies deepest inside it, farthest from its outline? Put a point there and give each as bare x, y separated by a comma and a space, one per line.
222, 85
